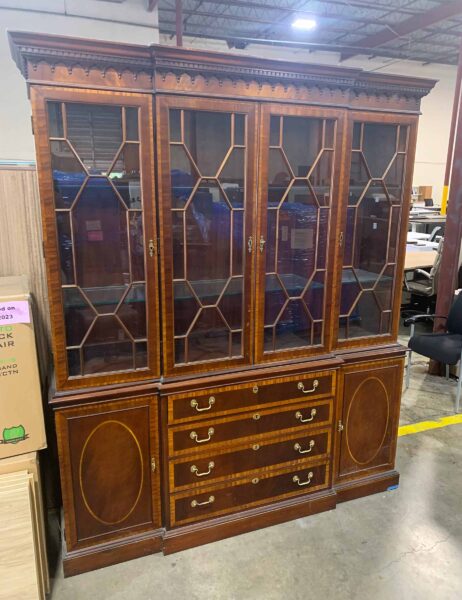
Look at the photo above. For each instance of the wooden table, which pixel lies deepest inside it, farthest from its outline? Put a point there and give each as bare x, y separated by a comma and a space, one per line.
427, 222
419, 260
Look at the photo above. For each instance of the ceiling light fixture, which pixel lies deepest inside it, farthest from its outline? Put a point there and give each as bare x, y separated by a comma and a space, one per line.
306, 24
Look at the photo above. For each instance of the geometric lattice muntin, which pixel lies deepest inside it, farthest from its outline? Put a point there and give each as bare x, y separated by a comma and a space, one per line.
373, 220
207, 167
299, 197
95, 160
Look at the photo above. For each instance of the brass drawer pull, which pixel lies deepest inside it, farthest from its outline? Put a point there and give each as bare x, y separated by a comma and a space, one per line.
195, 470
296, 479
255, 389
301, 387
195, 404
195, 503
193, 436
298, 448
299, 416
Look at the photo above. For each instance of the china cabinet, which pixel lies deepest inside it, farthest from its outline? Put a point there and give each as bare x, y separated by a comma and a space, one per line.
224, 238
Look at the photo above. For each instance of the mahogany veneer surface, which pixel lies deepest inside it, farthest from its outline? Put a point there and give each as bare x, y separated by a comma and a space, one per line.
234, 363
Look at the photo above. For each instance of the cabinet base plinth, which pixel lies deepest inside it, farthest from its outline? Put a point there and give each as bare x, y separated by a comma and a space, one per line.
95, 557
350, 490
190, 536
213, 530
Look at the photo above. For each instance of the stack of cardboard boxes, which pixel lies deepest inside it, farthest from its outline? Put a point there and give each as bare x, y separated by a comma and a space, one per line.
23, 560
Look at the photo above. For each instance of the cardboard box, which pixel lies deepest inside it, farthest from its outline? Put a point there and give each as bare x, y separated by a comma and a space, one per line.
425, 192
22, 428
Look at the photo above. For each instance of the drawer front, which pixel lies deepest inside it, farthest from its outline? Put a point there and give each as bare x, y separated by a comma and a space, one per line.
207, 403
199, 505
214, 467
198, 437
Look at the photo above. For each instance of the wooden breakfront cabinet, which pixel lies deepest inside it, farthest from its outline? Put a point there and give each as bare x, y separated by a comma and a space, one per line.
224, 237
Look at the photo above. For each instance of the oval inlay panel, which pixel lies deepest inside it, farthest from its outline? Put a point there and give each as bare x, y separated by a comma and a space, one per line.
367, 420
112, 457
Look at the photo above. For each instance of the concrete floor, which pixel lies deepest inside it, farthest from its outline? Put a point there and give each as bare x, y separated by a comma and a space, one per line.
399, 545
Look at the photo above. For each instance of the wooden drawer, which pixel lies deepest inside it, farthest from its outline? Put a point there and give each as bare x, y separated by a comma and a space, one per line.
252, 456
198, 437
232, 399
267, 487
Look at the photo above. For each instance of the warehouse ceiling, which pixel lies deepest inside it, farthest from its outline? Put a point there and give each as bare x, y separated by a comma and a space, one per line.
427, 31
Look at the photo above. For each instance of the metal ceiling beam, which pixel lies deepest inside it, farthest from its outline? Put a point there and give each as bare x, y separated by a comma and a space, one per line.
290, 10
428, 35
348, 4
386, 11
439, 13
179, 22
237, 17
236, 40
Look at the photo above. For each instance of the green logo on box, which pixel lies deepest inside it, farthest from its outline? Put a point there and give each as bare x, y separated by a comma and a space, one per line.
13, 435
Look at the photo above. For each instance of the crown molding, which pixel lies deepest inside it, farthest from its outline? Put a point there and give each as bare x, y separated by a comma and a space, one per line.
30, 50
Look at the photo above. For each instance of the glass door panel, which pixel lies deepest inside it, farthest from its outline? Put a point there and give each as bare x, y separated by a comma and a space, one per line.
378, 157
296, 206
99, 211
208, 202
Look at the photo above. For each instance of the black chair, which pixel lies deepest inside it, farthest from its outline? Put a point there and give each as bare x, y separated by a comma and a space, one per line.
445, 348
424, 284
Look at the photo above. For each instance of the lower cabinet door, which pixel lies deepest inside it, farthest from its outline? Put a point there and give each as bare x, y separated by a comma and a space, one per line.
371, 401
109, 459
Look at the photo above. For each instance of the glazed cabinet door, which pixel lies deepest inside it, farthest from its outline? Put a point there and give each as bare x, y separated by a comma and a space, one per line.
109, 463
95, 160
381, 155
369, 418
298, 199
207, 180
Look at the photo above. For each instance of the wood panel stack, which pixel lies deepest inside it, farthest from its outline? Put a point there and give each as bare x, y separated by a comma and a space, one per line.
21, 247
23, 555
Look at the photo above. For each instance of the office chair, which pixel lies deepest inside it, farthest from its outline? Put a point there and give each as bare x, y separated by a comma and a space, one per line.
445, 348
424, 284
434, 234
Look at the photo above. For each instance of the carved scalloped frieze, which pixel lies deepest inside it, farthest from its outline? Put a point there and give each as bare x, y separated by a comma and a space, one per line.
163, 66
160, 69
32, 56
201, 83
271, 76
91, 76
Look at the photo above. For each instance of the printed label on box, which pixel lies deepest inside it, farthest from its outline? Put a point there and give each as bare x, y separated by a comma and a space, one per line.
14, 312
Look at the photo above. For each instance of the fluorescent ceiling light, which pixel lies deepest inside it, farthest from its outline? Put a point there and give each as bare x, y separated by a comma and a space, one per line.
306, 24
